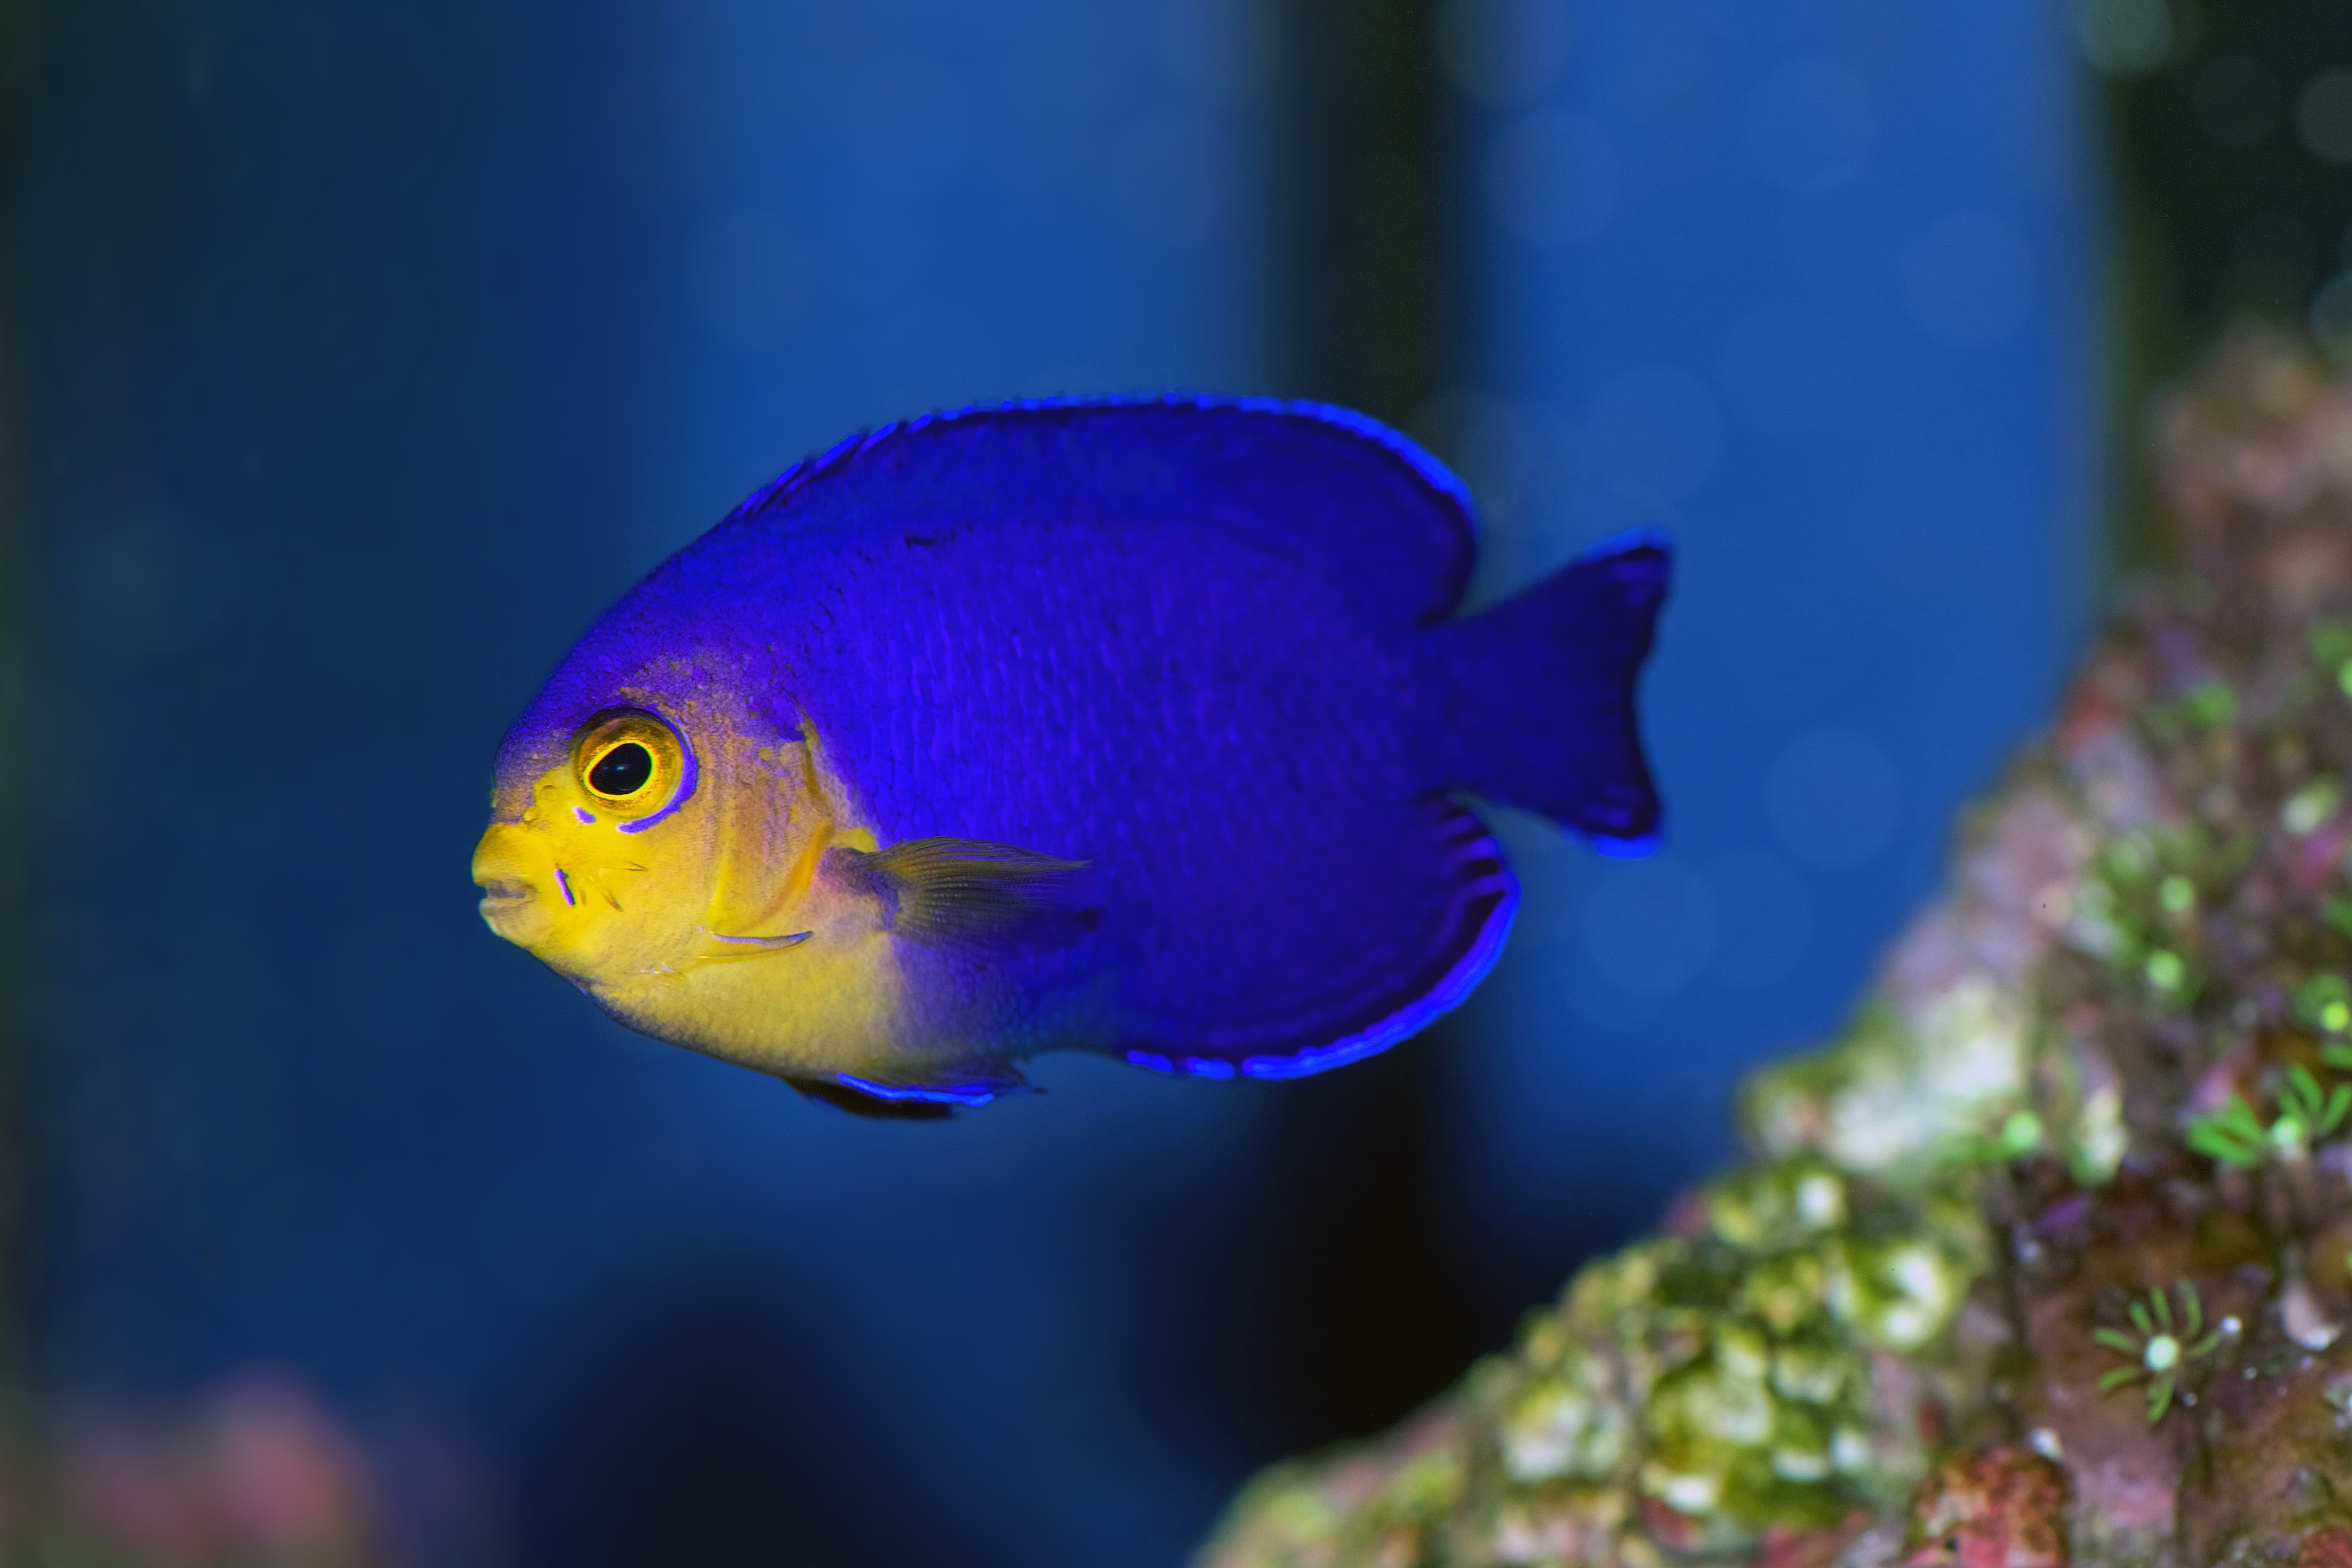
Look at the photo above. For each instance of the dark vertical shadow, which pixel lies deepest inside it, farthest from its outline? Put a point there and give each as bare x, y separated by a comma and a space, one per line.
1365, 270
2224, 207
18, 42
1351, 1318
709, 1427
1342, 1314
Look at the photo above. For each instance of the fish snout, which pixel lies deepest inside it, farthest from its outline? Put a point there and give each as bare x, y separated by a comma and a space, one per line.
505, 871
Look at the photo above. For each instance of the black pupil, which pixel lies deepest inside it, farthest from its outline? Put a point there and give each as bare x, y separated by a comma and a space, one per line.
624, 770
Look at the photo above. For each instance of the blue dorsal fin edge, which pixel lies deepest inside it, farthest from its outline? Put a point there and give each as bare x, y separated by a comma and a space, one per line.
1426, 468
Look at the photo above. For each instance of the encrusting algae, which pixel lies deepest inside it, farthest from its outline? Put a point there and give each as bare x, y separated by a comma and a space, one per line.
2048, 1261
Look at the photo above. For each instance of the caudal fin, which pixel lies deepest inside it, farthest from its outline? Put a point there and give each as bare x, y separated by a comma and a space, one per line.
1536, 696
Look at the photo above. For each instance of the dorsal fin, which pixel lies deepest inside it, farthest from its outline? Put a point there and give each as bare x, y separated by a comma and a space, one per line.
1355, 498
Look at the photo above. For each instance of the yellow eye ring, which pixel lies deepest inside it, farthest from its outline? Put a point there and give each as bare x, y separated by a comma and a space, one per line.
630, 760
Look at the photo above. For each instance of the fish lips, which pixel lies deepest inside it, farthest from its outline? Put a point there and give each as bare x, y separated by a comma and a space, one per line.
512, 903
512, 910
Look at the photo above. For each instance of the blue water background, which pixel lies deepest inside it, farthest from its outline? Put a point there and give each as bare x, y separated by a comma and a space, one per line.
1810, 285
374, 349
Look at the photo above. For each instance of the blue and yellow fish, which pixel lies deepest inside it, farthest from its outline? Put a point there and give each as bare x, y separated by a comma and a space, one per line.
1129, 726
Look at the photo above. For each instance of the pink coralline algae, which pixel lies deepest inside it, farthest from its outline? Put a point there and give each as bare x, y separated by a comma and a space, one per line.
1991, 1508
258, 1473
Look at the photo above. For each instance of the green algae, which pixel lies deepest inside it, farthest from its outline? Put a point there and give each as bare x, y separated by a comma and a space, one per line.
1737, 1377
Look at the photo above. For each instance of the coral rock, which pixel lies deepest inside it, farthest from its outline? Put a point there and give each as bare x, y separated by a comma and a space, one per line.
1996, 1507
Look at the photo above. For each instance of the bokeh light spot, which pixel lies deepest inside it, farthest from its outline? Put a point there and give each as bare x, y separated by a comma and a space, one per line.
1787, 367
1553, 178
1765, 918
1655, 435
2331, 317
1841, 246
1835, 798
1809, 125
1502, 52
1167, 181
1490, 441
1224, 50
2324, 114
2125, 37
1969, 278
1648, 926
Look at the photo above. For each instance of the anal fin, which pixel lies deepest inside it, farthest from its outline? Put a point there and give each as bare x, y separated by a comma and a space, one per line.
856, 1102
966, 1085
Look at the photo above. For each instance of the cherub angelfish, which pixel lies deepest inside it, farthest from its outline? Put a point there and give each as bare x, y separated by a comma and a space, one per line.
1133, 726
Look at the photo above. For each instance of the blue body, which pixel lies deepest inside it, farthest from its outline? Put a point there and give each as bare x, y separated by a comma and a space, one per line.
1207, 648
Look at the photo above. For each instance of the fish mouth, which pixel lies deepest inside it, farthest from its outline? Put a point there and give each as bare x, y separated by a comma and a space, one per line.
512, 904
510, 907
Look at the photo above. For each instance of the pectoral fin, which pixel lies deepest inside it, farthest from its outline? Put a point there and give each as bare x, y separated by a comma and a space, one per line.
958, 890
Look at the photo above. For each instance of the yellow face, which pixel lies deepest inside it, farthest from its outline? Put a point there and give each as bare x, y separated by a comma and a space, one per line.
670, 847
606, 865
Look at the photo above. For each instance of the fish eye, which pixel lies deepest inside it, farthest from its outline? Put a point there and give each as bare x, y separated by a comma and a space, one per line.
629, 759
623, 771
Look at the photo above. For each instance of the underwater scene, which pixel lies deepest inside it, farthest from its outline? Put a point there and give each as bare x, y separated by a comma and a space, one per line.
1227, 784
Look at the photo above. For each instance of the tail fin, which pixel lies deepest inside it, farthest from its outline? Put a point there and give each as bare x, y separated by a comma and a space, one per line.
1536, 696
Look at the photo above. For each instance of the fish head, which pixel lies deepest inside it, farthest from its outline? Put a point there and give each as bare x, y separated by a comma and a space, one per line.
575, 867
642, 827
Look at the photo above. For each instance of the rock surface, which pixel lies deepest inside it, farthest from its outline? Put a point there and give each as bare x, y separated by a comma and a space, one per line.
2048, 1259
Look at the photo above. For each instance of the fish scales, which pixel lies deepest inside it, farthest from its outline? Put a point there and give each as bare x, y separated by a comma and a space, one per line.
1138, 727
1141, 714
